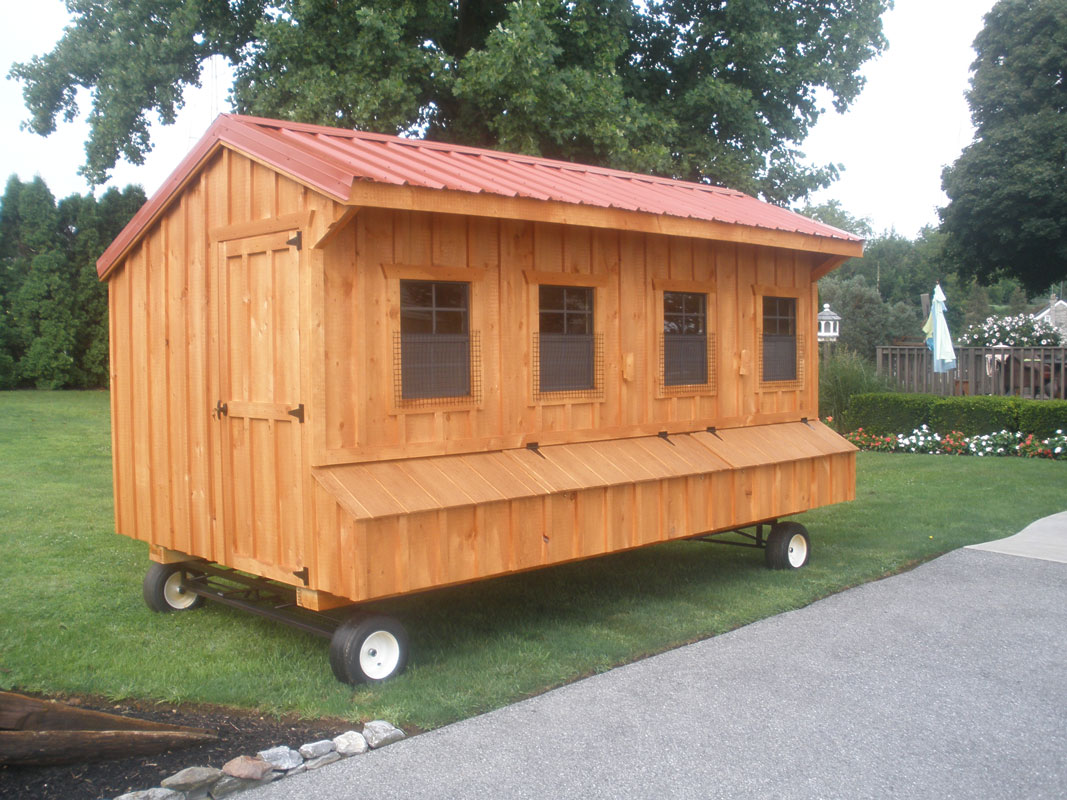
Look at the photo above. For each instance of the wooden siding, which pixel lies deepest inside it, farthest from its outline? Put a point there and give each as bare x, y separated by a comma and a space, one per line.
504, 261
392, 527
173, 459
213, 305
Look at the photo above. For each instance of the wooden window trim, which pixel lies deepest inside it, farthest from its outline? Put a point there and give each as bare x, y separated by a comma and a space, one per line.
800, 381
476, 318
600, 285
711, 306
598, 282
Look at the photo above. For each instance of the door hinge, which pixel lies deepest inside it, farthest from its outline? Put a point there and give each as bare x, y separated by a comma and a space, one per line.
220, 410
297, 241
297, 412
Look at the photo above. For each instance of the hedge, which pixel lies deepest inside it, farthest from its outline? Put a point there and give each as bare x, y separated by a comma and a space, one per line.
892, 413
973, 416
1043, 418
888, 412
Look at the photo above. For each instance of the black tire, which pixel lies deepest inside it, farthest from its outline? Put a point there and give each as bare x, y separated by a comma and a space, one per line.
368, 650
163, 592
788, 546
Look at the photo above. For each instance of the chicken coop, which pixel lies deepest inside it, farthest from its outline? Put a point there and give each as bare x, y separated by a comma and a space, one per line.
348, 366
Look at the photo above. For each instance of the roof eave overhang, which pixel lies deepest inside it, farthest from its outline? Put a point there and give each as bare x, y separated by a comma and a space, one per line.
416, 198
253, 143
224, 132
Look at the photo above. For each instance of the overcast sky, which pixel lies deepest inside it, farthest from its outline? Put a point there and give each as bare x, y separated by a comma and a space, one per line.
910, 121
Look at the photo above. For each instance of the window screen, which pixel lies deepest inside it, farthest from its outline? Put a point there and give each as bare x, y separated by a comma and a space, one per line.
566, 339
434, 339
685, 338
779, 338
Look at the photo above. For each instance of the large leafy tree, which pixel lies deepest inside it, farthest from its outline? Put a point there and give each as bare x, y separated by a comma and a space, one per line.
1007, 211
715, 90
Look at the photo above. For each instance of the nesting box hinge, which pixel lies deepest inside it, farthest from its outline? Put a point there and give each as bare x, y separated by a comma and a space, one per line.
303, 575
297, 241
297, 412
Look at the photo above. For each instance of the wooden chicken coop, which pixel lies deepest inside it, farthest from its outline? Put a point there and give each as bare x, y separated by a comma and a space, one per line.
347, 366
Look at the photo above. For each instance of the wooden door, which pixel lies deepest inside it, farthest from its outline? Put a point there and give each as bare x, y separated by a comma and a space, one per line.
260, 410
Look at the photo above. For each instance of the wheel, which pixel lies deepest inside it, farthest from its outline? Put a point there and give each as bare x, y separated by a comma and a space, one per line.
163, 589
368, 650
788, 546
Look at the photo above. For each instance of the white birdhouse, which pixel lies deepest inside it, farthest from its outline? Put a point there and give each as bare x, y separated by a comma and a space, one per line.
829, 324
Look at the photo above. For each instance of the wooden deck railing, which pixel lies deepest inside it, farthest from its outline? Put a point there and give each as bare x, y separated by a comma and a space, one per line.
1037, 372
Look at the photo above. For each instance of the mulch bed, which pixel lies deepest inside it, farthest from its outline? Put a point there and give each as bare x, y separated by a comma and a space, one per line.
240, 733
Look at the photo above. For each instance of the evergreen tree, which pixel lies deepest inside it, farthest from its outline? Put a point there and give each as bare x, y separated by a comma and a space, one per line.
53, 309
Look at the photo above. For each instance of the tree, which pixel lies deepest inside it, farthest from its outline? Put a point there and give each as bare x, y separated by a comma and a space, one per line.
866, 320
833, 213
53, 310
1007, 211
698, 89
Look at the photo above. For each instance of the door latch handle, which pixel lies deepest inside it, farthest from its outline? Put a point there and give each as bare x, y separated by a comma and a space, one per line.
220, 410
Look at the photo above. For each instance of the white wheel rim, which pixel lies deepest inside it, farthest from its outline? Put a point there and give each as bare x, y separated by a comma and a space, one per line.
798, 550
177, 597
379, 655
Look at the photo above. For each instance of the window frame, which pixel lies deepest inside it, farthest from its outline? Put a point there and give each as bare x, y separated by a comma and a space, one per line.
799, 381
660, 287
475, 281
599, 284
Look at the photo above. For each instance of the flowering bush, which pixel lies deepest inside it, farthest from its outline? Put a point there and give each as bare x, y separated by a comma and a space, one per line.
1018, 331
923, 440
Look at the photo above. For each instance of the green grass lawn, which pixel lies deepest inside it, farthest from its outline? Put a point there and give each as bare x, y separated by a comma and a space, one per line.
72, 619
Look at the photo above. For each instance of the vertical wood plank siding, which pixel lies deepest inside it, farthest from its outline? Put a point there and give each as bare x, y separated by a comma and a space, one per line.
363, 422
174, 344
165, 365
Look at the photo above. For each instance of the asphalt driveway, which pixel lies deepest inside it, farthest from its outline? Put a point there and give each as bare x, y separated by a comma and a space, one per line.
949, 681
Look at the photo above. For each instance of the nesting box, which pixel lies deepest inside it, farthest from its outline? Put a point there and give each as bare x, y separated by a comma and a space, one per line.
361, 366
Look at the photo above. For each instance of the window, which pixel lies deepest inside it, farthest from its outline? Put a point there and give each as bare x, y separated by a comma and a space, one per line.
566, 348
685, 339
435, 340
779, 346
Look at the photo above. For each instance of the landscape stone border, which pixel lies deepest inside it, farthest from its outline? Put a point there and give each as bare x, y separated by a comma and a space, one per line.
244, 772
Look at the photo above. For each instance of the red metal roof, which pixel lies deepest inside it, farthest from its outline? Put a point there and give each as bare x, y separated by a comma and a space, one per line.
331, 159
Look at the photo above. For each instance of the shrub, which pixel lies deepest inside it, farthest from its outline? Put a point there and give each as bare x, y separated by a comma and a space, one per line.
974, 415
1001, 443
881, 414
1021, 330
1042, 418
888, 412
842, 374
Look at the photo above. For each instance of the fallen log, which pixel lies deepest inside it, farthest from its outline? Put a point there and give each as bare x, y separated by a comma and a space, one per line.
36, 731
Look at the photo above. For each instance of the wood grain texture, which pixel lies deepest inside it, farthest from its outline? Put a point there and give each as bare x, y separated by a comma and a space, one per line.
569, 501
377, 497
